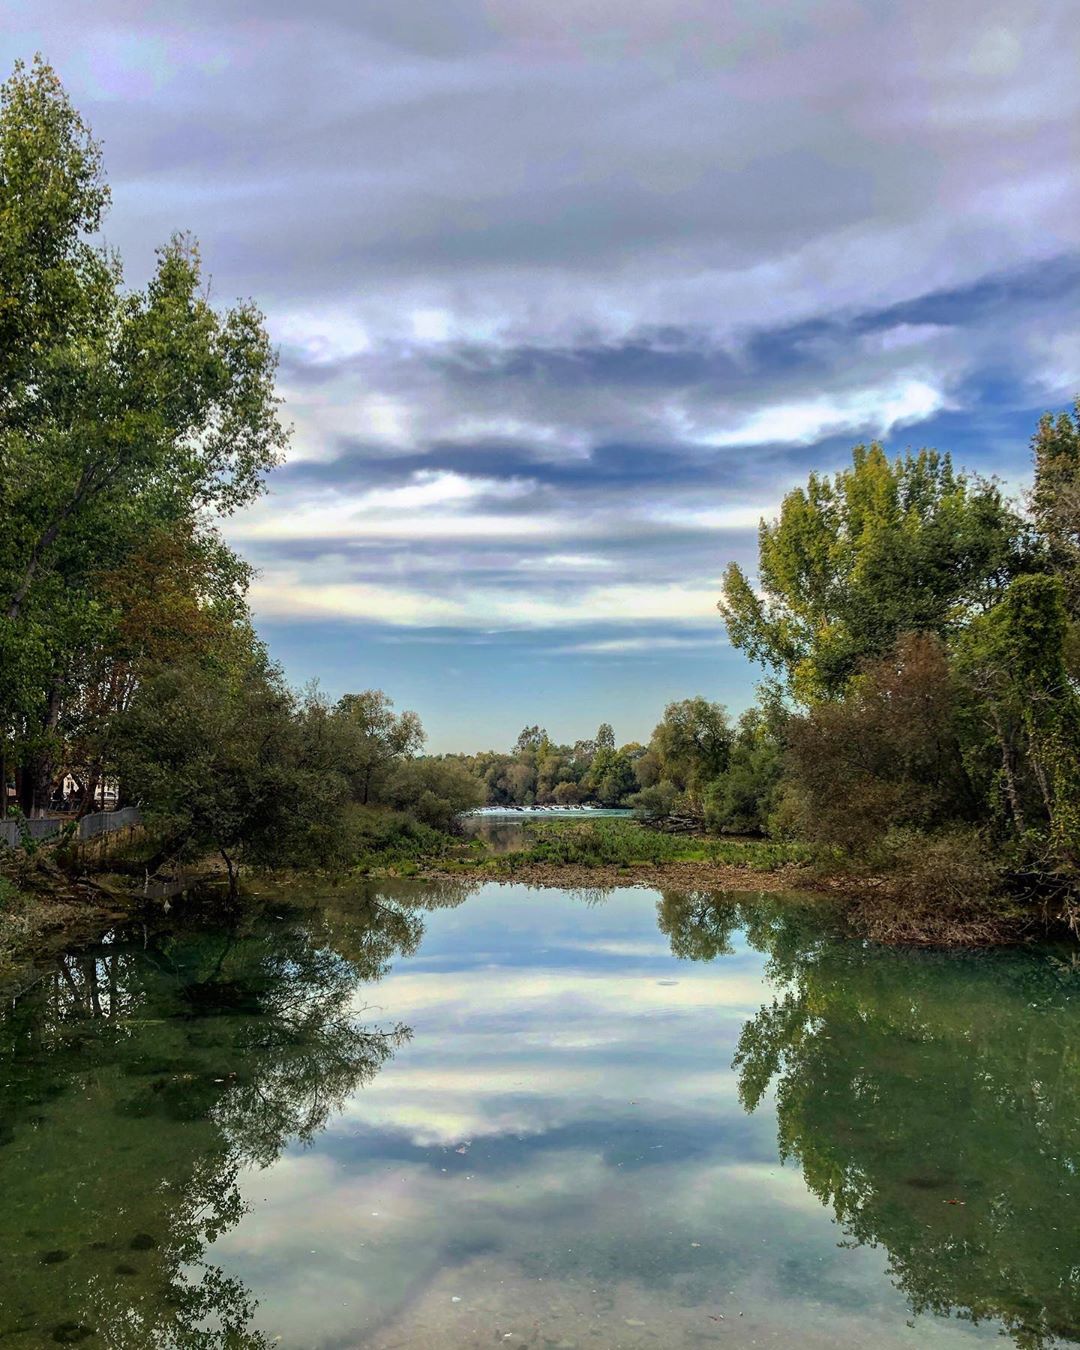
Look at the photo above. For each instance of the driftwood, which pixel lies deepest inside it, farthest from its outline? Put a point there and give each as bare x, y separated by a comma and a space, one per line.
678, 825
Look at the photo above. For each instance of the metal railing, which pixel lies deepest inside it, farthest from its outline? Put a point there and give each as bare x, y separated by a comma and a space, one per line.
14, 832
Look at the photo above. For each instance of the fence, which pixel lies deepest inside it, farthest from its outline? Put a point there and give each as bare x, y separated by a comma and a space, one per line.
12, 832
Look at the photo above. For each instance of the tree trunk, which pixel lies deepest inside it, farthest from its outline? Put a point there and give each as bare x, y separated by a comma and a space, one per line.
89, 801
231, 869
24, 789
43, 765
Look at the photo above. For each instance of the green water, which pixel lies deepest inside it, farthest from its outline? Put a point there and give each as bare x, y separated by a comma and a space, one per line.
416, 1117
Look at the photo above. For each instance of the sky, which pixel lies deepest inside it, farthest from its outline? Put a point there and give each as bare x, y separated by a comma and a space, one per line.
567, 296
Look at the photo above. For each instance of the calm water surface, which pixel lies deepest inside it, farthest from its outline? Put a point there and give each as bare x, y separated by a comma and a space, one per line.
414, 1117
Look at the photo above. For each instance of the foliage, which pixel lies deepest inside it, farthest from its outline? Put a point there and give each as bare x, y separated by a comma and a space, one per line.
692, 744
1055, 499
123, 414
941, 889
931, 635
540, 771
742, 799
880, 549
888, 755
435, 790
380, 738
656, 802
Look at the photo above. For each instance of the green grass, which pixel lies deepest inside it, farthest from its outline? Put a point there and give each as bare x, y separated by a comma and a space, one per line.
381, 840
622, 843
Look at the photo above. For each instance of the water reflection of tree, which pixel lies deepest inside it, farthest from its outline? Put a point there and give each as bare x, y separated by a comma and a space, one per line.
139, 1077
932, 1101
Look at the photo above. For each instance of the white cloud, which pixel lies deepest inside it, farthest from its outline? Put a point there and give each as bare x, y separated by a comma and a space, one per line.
877, 411
565, 562
628, 645
294, 593
427, 504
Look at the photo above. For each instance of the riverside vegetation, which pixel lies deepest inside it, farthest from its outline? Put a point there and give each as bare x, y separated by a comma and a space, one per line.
917, 737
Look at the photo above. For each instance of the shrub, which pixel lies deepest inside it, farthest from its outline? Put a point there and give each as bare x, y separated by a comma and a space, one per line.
934, 889
657, 802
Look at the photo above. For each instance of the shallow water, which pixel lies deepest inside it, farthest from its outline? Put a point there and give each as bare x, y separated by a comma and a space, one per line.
410, 1116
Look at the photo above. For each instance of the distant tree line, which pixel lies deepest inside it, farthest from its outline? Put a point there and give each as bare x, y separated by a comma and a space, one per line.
690, 749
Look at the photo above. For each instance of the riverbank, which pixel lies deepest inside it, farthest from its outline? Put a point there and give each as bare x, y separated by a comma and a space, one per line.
592, 855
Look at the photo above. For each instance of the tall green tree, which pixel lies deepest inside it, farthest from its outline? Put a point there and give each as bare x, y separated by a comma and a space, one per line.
121, 411
692, 744
1055, 499
882, 548
381, 740
1015, 661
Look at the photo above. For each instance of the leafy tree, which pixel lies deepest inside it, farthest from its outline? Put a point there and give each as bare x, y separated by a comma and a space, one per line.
179, 597
121, 411
436, 790
532, 738
214, 754
658, 801
1015, 660
743, 797
888, 755
381, 738
692, 744
610, 777
1055, 498
880, 549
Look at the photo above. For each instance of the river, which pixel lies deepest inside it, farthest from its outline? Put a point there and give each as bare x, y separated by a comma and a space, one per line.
420, 1115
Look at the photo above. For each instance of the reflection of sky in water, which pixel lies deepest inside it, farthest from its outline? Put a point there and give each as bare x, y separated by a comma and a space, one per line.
558, 1158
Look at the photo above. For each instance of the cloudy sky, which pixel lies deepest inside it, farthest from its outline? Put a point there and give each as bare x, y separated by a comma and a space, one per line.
567, 295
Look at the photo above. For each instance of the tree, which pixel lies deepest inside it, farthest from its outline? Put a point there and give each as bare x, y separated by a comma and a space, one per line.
214, 754
610, 777
121, 412
1055, 499
1014, 658
605, 737
532, 738
743, 797
886, 756
691, 744
883, 548
381, 738
435, 790
179, 597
